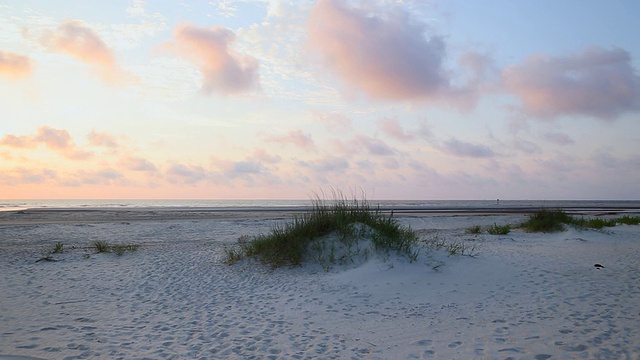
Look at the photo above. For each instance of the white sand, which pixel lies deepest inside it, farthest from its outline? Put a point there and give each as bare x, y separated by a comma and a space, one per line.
524, 296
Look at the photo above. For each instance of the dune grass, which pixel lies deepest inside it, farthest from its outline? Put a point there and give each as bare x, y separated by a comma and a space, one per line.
330, 233
475, 229
628, 220
555, 220
546, 221
119, 249
58, 248
592, 223
496, 229
101, 246
453, 247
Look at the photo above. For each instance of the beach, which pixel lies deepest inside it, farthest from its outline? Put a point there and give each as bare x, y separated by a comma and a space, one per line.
519, 296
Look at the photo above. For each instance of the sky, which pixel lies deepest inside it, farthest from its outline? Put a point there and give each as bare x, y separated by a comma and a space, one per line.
256, 99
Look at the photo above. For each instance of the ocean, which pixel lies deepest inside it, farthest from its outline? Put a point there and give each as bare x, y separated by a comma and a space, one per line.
399, 205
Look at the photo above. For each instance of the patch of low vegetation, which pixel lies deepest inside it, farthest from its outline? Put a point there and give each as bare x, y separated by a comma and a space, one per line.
475, 229
333, 232
555, 220
119, 249
456, 247
628, 220
592, 223
496, 229
101, 246
58, 248
546, 221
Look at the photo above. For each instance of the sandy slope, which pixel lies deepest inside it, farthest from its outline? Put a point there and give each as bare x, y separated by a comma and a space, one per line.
524, 296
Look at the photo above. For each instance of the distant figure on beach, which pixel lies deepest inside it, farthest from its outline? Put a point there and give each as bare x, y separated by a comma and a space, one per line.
497, 201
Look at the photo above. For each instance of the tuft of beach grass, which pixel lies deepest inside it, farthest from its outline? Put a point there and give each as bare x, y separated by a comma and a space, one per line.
307, 235
475, 229
119, 249
453, 247
628, 220
555, 220
496, 229
546, 221
101, 246
58, 248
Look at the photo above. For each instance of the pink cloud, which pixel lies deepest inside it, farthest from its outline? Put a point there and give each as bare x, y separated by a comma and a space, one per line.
392, 127
465, 149
373, 146
558, 138
251, 171
244, 169
187, 174
362, 144
95, 177
102, 139
334, 122
327, 164
77, 154
60, 140
11, 140
22, 176
295, 137
386, 56
224, 71
74, 38
138, 164
261, 155
596, 82
54, 139
14, 65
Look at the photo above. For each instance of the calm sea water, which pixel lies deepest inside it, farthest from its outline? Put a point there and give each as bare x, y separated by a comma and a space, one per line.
434, 205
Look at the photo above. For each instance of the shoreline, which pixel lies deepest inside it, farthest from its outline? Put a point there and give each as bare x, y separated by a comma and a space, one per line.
115, 214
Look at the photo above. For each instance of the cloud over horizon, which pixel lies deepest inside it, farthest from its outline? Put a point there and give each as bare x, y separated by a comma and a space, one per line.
295, 137
595, 82
224, 71
464, 149
54, 139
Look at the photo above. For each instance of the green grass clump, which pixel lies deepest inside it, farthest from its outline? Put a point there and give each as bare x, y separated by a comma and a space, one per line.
101, 246
475, 229
550, 221
499, 229
455, 247
306, 236
58, 248
593, 223
120, 249
629, 220
546, 221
